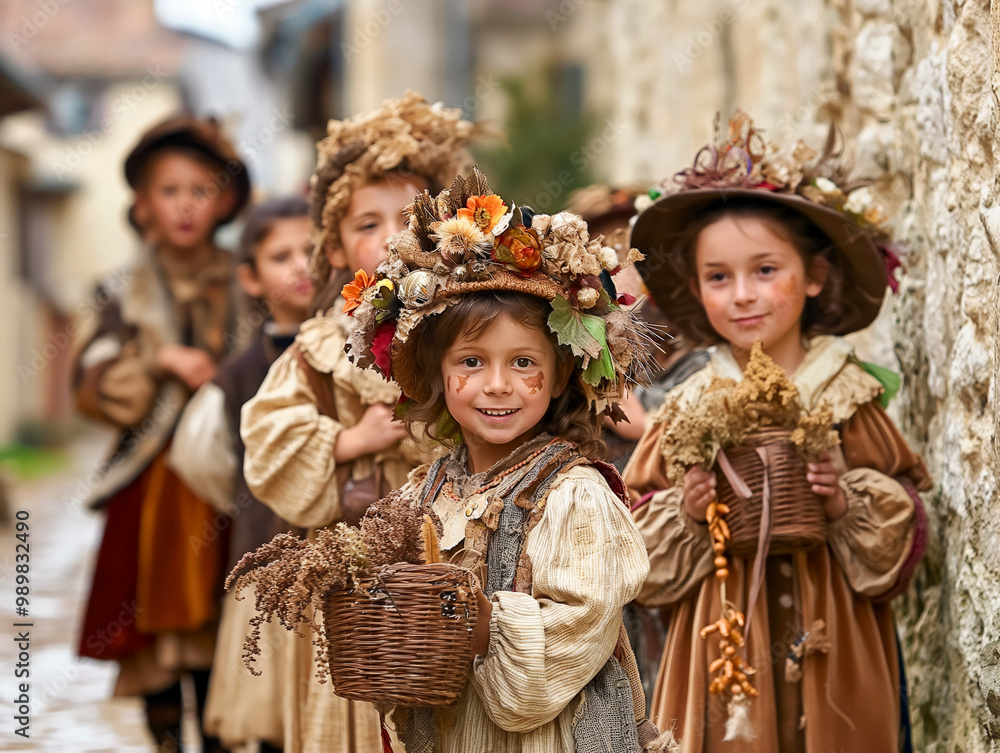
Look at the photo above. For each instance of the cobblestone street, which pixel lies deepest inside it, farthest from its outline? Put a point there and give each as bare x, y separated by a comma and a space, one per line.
71, 705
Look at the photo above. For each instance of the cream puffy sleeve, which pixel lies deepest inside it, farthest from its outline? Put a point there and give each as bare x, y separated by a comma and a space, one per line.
588, 561
289, 461
873, 540
876, 542
202, 450
679, 549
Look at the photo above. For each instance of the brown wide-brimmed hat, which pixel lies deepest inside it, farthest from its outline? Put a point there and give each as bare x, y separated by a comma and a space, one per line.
405, 365
745, 169
202, 134
659, 231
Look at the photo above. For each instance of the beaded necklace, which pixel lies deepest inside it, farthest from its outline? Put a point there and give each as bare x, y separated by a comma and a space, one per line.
449, 490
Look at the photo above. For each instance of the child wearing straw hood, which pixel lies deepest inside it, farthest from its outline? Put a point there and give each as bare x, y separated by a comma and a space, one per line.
321, 444
771, 257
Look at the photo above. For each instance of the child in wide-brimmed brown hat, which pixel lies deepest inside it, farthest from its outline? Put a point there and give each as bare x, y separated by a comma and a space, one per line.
773, 254
153, 606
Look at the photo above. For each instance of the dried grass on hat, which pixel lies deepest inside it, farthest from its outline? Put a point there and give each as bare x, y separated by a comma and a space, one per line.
408, 135
468, 240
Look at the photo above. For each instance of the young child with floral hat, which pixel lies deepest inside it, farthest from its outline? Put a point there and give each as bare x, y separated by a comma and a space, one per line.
755, 252
506, 336
320, 441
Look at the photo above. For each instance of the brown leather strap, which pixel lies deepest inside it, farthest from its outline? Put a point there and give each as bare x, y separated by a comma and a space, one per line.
321, 384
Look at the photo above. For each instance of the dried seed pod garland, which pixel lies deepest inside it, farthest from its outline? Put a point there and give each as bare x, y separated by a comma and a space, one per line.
292, 576
732, 672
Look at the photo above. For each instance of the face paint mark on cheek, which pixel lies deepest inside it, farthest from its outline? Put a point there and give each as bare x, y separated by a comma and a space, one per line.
534, 383
788, 293
462, 381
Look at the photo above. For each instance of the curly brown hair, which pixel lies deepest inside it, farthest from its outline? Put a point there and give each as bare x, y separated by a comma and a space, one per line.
822, 314
569, 416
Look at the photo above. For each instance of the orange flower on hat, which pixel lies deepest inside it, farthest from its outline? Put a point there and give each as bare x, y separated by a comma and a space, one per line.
519, 249
353, 291
484, 211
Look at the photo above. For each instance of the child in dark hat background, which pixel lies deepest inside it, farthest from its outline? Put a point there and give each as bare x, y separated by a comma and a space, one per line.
756, 247
154, 601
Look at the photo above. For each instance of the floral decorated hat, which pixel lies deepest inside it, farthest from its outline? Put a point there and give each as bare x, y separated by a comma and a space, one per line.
409, 134
745, 167
468, 240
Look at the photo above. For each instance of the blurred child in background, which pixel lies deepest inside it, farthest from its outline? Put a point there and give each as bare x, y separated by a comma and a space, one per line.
273, 271
153, 606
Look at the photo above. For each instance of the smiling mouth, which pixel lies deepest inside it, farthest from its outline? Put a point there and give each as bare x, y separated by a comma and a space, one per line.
497, 413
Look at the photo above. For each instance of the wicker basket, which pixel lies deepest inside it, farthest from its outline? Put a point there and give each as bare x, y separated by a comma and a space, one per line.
797, 514
405, 637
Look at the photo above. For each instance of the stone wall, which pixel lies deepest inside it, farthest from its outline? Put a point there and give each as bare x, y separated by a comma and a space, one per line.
918, 102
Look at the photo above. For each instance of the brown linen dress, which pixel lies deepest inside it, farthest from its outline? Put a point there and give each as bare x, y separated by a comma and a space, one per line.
847, 697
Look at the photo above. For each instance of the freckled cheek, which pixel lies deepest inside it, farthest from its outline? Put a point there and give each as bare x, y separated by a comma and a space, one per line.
715, 304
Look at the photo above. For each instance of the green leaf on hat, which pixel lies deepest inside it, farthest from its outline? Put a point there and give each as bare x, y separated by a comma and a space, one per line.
503, 254
571, 328
600, 367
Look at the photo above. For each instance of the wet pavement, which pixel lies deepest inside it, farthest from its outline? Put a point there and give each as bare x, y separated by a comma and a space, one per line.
71, 706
